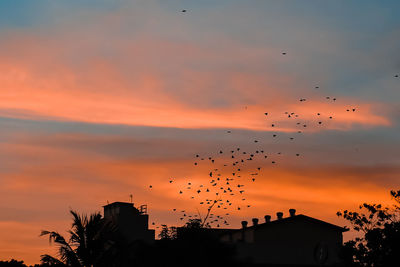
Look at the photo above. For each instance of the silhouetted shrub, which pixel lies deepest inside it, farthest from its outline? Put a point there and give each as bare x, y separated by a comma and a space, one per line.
12, 263
380, 244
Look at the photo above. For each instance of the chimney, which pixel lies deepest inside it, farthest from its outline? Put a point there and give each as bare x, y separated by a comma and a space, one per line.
292, 212
244, 224
267, 218
255, 221
279, 215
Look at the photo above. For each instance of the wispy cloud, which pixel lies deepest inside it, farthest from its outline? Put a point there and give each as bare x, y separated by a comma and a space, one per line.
99, 101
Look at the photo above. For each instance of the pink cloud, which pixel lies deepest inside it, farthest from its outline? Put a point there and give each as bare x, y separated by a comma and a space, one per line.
156, 82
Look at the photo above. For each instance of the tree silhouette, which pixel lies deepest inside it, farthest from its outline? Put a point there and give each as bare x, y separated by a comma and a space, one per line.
12, 263
379, 245
91, 242
204, 222
167, 233
191, 245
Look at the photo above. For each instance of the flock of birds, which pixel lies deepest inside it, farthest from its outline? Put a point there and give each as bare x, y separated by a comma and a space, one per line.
232, 171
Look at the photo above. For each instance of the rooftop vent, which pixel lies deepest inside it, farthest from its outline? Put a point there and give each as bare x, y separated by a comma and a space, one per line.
244, 224
267, 218
255, 221
292, 212
279, 215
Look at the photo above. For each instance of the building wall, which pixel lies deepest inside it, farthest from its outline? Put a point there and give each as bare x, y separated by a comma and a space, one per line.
131, 224
293, 242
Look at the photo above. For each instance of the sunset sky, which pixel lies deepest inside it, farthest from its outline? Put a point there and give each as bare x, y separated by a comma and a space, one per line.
100, 99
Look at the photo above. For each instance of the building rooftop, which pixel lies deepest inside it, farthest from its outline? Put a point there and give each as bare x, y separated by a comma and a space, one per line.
118, 204
295, 218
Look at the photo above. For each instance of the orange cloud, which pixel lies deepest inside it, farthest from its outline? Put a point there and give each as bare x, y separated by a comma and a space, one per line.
57, 174
48, 82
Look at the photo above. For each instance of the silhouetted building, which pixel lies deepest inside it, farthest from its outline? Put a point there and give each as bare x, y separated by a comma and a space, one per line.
297, 240
132, 223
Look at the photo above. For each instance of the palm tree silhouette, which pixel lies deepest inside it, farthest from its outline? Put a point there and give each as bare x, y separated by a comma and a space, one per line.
92, 242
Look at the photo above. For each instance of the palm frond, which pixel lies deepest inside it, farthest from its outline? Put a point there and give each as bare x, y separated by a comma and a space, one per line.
50, 260
78, 229
54, 237
65, 251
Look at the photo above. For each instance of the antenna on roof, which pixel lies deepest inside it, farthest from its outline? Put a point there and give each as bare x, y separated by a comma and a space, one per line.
130, 196
108, 202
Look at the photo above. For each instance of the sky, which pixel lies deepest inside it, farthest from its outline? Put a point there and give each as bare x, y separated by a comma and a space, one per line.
100, 99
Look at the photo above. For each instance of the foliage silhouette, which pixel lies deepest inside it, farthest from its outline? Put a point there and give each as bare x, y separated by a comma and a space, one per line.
167, 233
12, 263
190, 245
92, 242
380, 244
17, 263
